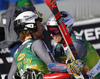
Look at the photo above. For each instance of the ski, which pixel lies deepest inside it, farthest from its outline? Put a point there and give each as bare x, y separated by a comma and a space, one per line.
54, 8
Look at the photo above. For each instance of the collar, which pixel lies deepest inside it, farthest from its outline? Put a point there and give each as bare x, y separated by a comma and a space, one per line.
26, 41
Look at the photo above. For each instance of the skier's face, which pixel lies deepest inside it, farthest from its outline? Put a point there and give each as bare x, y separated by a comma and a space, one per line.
55, 34
57, 38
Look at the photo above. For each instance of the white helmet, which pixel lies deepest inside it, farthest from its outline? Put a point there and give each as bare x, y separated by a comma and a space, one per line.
26, 21
68, 20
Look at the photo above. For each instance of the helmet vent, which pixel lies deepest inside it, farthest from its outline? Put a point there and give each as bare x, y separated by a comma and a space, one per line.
63, 14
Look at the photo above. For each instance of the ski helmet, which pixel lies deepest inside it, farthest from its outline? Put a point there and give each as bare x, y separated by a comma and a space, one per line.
27, 21
68, 20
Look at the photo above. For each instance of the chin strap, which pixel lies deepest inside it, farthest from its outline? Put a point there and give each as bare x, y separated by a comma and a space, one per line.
31, 34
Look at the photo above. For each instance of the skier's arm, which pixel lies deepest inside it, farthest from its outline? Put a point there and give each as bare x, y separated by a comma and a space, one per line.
42, 53
74, 67
80, 48
12, 70
40, 50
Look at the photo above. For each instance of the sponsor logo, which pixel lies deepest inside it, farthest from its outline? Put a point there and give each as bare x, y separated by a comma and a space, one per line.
21, 56
24, 61
98, 68
90, 34
31, 17
53, 4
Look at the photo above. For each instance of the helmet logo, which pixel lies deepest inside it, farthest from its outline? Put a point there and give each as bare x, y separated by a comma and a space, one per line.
48, 23
29, 25
21, 56
26, 3
35, 16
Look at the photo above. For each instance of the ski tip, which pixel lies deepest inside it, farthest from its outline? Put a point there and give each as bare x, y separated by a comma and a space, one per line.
47, 2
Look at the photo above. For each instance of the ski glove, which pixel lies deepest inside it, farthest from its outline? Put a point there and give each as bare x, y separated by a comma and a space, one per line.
75, 67
32, 74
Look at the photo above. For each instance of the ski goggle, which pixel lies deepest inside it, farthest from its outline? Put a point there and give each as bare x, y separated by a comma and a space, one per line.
53, 30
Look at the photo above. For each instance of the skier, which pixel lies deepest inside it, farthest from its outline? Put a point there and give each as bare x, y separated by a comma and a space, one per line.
28, 28
33, 55
84, 49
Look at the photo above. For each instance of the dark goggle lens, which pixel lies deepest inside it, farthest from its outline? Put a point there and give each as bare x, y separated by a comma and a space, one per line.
53, 30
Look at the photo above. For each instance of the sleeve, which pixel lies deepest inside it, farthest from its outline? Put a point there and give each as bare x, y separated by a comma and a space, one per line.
40, 50
13, 69
80, 48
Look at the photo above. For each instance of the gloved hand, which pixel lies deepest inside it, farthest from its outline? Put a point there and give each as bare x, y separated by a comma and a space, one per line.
16, 76
32, 74
75, 67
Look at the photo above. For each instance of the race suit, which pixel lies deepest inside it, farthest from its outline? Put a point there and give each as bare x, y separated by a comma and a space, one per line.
86, 52
31, 53
26, 59
59, 53
92, 58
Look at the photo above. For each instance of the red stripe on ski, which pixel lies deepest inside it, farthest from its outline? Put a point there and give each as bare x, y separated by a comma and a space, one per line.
65, 33
47, 2
58, 15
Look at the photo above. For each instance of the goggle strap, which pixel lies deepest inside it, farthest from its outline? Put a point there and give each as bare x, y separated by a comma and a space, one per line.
69, 22
39, 14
